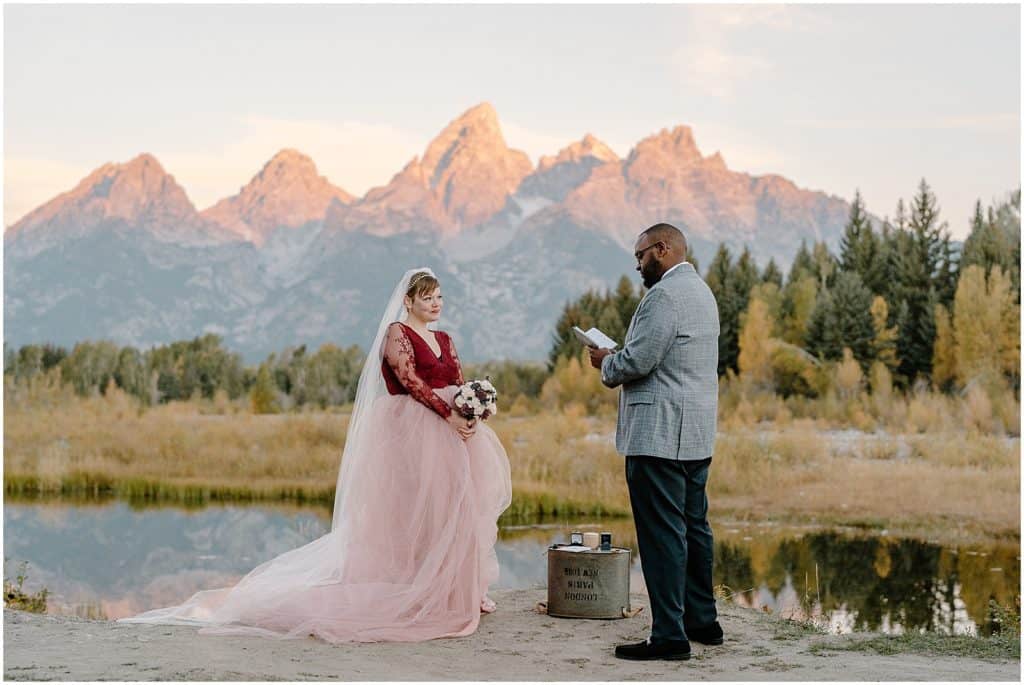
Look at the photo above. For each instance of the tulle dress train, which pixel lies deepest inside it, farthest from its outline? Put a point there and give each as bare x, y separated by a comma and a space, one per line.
411, 553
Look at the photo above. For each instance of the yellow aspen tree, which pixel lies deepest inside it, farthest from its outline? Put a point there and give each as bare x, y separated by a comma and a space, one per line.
756, 344
849, 376
885, 336
944, 352
978, 310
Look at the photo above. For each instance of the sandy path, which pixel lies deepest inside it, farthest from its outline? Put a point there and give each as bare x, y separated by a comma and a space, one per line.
516, 643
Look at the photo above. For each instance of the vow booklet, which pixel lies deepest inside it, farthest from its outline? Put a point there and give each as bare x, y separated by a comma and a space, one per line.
594, 338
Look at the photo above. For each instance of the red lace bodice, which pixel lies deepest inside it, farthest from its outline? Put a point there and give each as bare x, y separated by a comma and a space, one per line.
410, 367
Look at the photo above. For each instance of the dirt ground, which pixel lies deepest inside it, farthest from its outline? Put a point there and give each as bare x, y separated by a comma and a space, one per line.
515, 643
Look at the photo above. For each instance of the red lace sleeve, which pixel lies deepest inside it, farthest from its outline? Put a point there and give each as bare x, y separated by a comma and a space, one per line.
402, 359
459, 380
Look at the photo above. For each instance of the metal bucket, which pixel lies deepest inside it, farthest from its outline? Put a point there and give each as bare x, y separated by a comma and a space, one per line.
588, 584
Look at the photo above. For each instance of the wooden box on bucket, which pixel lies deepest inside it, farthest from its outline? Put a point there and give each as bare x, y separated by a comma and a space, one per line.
588, 584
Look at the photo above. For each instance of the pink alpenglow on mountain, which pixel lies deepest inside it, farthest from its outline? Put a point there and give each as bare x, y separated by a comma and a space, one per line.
463, 179
666, 178
288, 192
471, 170
556, 176
136, 195
468, 185
403, 205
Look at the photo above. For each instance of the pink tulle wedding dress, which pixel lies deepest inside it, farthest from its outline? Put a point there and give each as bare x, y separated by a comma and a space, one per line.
411, 551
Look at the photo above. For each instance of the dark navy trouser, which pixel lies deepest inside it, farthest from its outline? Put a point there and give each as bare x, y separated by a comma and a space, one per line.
670, 511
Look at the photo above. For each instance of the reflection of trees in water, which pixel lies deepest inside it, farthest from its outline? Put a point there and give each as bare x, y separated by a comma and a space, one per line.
733, 568
915, 584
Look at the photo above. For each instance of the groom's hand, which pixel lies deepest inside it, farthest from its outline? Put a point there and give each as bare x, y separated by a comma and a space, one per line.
597, 356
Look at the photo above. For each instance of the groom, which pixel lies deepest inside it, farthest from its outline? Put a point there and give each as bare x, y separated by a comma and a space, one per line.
668, 407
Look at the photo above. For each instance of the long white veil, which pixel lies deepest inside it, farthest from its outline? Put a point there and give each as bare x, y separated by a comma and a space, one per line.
277, 587
371, 387
410, 553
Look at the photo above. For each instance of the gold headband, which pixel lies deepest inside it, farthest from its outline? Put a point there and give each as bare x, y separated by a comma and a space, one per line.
417, 278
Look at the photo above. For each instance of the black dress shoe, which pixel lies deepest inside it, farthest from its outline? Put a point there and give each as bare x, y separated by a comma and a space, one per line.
670, 650
708, 635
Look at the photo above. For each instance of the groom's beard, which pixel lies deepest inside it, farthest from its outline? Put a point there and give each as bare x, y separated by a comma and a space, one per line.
650, 279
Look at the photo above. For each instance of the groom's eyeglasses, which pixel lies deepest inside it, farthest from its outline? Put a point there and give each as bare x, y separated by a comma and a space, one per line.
640, 255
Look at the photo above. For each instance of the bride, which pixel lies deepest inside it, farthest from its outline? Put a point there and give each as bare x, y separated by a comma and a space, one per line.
410, 554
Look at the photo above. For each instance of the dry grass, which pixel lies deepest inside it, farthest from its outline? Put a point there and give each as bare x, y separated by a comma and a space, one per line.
197, 451
563, 462
994, 411
945, 481
56, 443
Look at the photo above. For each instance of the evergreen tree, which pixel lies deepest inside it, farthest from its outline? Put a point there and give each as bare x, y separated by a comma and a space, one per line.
627, 299
772, 274
842, 319
856, 246
987, 245
926, 277
731, 285
1007, 218
720, 280
803, 264
901, 215
820, 340
884, 279
745, 276
611, 312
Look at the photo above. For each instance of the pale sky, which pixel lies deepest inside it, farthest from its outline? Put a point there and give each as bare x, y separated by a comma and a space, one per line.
833, 97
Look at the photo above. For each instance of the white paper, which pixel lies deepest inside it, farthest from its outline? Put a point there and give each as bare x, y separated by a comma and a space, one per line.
594, 338
575, 548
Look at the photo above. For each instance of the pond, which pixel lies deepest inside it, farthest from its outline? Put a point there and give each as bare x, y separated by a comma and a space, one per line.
112, 560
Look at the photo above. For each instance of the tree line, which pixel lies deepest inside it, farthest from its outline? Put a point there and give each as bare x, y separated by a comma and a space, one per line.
198, 368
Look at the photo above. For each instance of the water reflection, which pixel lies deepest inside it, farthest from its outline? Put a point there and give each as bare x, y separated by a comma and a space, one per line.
112, 560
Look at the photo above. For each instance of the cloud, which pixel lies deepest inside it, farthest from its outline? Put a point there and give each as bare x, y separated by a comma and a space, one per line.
713, 71
708, 63
983, 122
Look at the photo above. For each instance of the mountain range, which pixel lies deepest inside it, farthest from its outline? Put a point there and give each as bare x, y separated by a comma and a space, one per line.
293, 259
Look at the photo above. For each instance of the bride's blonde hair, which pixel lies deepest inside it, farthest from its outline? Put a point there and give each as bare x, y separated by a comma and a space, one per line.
421, 284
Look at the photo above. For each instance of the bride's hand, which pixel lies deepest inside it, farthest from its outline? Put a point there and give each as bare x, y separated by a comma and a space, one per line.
463, 426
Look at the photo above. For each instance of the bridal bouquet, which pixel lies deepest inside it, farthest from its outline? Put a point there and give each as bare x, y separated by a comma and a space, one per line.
476, 400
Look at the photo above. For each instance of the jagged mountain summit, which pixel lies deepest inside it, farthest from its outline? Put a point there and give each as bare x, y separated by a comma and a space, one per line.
293, 259
463, 179
137, 195
288, 192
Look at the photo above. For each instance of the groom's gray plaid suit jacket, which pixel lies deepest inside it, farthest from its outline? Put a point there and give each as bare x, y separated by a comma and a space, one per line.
668, 370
